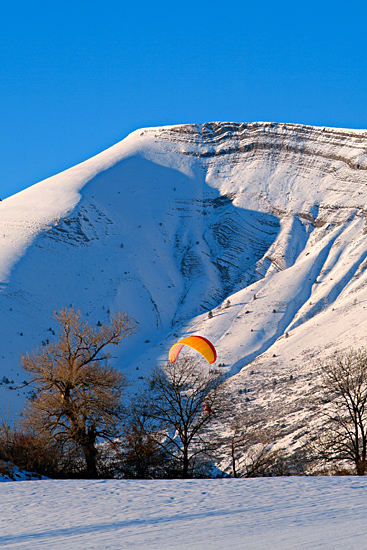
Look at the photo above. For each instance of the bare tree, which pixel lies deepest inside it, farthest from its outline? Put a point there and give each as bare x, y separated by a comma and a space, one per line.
344, 389
243, 437
252, 452
30, 452
137, 453
77, 395
181, 401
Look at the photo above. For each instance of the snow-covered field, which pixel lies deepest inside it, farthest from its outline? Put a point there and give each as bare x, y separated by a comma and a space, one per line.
305, 513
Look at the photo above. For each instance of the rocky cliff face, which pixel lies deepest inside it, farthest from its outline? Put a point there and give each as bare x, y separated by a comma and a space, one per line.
262, 224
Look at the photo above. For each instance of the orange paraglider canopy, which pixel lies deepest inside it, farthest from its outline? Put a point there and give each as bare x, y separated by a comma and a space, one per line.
198, 343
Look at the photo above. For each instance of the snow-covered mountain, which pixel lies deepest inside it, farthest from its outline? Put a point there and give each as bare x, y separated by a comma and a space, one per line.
262, 224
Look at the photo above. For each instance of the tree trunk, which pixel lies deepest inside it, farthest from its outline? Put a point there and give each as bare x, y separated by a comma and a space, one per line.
185, 462
90, 455
88, 444
233, 453
361, 467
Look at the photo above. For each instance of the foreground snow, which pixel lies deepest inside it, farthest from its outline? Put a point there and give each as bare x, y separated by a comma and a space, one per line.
282, 513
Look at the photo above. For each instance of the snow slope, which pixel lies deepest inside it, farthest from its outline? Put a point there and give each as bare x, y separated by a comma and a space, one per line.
281, 513
172, 223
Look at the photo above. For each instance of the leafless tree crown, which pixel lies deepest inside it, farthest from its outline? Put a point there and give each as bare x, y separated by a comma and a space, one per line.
344, 388
77, 395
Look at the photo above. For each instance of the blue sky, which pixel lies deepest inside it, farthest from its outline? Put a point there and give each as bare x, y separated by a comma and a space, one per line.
77, 76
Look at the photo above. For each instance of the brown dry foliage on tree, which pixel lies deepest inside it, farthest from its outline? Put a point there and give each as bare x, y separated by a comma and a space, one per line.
77, 394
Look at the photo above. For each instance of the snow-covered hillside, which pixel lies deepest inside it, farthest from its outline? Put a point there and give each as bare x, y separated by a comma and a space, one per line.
263, 224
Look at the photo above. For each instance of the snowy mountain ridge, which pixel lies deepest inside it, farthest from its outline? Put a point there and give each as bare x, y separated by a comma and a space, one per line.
171, 223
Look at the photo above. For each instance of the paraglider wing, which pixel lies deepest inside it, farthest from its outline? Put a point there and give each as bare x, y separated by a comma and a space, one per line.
174, 351
198, 343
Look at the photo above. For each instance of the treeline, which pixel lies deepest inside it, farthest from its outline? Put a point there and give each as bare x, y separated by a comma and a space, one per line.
80, 420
